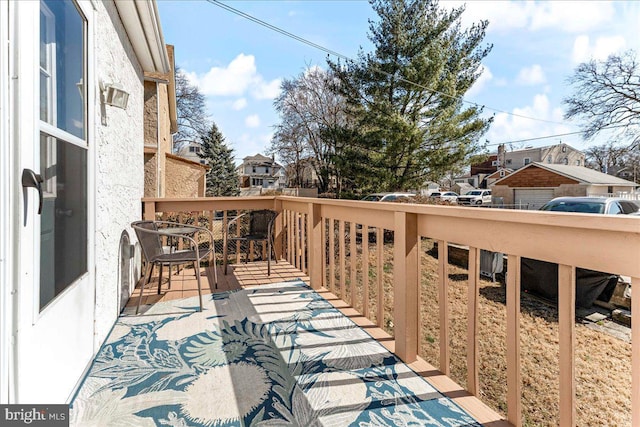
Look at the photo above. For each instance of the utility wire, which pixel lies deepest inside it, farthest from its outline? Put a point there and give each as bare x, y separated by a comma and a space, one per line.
346, 58
549, 136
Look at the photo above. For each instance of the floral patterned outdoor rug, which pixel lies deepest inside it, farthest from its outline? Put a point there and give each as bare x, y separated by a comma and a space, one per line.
274, 355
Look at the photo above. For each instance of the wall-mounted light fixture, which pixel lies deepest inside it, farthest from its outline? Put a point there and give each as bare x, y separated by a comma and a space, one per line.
114, 94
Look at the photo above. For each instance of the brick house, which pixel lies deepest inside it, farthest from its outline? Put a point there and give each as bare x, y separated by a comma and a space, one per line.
537, 183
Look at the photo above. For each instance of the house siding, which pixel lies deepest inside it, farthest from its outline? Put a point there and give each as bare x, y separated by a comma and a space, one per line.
184, 180
118, 145
536, 177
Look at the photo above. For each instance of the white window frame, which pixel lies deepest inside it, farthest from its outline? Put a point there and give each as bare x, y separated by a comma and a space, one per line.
526, 161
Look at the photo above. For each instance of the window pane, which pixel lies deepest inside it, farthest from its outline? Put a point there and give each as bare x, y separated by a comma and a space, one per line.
63, 222
62, 59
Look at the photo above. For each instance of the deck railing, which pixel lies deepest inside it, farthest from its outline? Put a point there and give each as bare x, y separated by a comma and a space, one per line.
341, 246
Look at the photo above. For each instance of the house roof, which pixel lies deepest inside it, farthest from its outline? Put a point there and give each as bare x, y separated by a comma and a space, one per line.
579, 173
259, 157
190, 162
142, 23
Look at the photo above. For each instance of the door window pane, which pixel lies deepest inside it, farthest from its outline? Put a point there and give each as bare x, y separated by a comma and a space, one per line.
62, 93
63, 222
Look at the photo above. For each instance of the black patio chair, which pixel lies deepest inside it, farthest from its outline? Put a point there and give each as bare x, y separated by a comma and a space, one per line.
259, 227
150, 235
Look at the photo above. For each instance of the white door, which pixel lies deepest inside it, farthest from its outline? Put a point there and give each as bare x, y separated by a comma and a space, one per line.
55, 287
534, 198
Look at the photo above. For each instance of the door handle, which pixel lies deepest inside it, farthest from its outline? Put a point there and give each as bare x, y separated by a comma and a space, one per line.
31, 179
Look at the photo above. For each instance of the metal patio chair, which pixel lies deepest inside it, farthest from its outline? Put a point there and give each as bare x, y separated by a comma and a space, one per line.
150, 235
259, 227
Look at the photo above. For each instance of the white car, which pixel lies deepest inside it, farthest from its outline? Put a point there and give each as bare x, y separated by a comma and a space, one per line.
387, 197
475, 197
447, 196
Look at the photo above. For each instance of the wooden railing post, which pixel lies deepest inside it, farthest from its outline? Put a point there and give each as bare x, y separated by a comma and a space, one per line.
314, 233
405, 281
566, 323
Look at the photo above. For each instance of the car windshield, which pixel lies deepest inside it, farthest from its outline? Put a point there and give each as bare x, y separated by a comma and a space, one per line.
569, 206
474, 193
372, 198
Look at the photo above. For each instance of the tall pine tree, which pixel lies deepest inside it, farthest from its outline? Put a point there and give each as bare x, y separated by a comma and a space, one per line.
407, 95
222, 179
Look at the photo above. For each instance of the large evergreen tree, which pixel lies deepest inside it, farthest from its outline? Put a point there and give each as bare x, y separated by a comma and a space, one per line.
222, 179
407, 95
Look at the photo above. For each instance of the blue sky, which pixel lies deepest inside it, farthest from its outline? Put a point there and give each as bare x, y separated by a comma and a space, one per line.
239, 64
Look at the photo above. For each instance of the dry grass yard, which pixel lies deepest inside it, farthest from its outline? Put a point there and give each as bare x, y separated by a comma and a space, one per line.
603, 366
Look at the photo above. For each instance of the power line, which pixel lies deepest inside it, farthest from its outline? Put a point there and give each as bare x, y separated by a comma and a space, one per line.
346, 58
549, 136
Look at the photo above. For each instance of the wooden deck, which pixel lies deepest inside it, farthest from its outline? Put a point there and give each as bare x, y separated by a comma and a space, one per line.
252, 274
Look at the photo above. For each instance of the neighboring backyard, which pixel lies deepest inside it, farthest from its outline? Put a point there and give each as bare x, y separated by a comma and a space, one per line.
603, 363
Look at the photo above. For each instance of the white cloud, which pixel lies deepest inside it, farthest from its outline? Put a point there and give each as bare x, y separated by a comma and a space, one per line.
265, 90
567, 16
239, 77
530, 76
239, 104
507, 127
481, 83
252, 121
600, 50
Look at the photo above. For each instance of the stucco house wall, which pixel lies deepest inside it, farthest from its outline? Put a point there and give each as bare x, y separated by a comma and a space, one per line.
184, 178
119, 179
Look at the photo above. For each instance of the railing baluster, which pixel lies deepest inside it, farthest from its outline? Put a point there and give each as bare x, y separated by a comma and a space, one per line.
379, 275
353, 259
332, 255
443, 304
405, 283
635, 353
341, 261
304, 242
365, 270
514, 381
567, 321
290, 234
472, 321
323, 239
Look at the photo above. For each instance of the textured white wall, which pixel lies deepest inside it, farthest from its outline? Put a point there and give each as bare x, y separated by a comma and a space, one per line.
119, 167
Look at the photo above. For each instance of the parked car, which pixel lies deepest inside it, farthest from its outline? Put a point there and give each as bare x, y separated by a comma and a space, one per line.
447, 196
475, 197
595, 205
386, 197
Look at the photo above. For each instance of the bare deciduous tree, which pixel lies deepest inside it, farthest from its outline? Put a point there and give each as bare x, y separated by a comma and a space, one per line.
607, 94
192, 115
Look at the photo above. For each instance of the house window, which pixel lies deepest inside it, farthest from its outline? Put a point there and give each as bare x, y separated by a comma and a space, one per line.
502, 174
508, 161
193, 149
550, 159
564, 148
253, 169
267, 169
526, 161
63, 147
565, 161
578, 162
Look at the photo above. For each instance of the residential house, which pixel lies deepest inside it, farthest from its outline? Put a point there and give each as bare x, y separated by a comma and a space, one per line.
72, 132
559, 154
191, 152
261, 171
537, 183
165, 174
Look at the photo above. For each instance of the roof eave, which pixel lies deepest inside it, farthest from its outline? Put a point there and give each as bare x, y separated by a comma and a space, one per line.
141, 21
